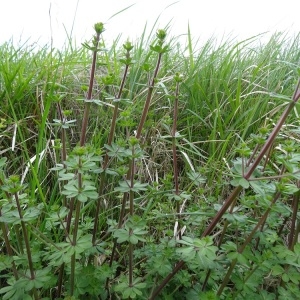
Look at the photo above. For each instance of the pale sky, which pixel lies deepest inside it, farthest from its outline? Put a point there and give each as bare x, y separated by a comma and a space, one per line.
31, 19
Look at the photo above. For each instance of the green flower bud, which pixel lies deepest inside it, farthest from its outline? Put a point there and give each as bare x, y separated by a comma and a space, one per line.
99, 28
263, 130
79, 151
178, 77
67, 112
14, 178
133, 141
128, 46
161, 34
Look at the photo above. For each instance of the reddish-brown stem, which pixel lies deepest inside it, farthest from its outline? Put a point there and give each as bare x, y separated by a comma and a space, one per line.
138, 135
295, 206
274, 133
106, 158
148, 99
174, 151
178, 267
26, 240
175, 167
8, 247
222, 211
89, 94
247, 241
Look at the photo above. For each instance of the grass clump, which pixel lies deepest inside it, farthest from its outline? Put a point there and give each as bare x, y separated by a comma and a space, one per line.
137, 172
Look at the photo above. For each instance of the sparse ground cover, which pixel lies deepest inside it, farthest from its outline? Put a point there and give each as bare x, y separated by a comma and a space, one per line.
150, 170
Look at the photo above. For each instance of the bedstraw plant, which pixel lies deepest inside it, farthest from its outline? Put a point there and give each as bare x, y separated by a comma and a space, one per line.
171, 178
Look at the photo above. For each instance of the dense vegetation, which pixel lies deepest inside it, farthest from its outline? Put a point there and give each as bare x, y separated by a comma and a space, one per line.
149, 171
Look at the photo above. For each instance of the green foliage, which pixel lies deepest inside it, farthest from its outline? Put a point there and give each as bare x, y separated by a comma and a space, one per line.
117, 202
199, 252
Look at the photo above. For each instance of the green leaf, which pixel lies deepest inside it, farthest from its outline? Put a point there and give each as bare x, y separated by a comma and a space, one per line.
122, 235
199, 251
83, 243
277, 270
2, 161
235, 181
66, 176
31, 214
244, 183
196, 177
124, 186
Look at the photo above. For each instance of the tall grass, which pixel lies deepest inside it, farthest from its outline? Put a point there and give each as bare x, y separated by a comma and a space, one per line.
232, 90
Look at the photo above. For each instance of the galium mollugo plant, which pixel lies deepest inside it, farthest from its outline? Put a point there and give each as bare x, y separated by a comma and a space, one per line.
106, 230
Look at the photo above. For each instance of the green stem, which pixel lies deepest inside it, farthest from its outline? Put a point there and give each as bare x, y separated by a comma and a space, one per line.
72, 275
75, 232
63, 134
73, 260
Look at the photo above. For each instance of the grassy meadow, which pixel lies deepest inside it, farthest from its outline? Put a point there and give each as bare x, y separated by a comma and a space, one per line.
150, 170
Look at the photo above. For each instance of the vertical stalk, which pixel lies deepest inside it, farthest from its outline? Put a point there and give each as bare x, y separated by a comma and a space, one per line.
27, 244
174, 151
99, 29
75, 232
247, 241
8, 247
26, 240
131, 212
63, 134
292, 238
6, 240
109, 142
161, 36
64, 158
148, 99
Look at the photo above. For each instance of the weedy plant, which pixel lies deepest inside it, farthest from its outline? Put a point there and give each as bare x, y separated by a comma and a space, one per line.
121, 201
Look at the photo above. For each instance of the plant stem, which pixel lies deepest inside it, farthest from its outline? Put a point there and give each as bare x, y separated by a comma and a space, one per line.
148, 99
247, 241
75, 232
177, 268
138, 135
63, 134
174, 151
131, 212
106, 158
26, 240
89, 94
8, 247
292, 240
